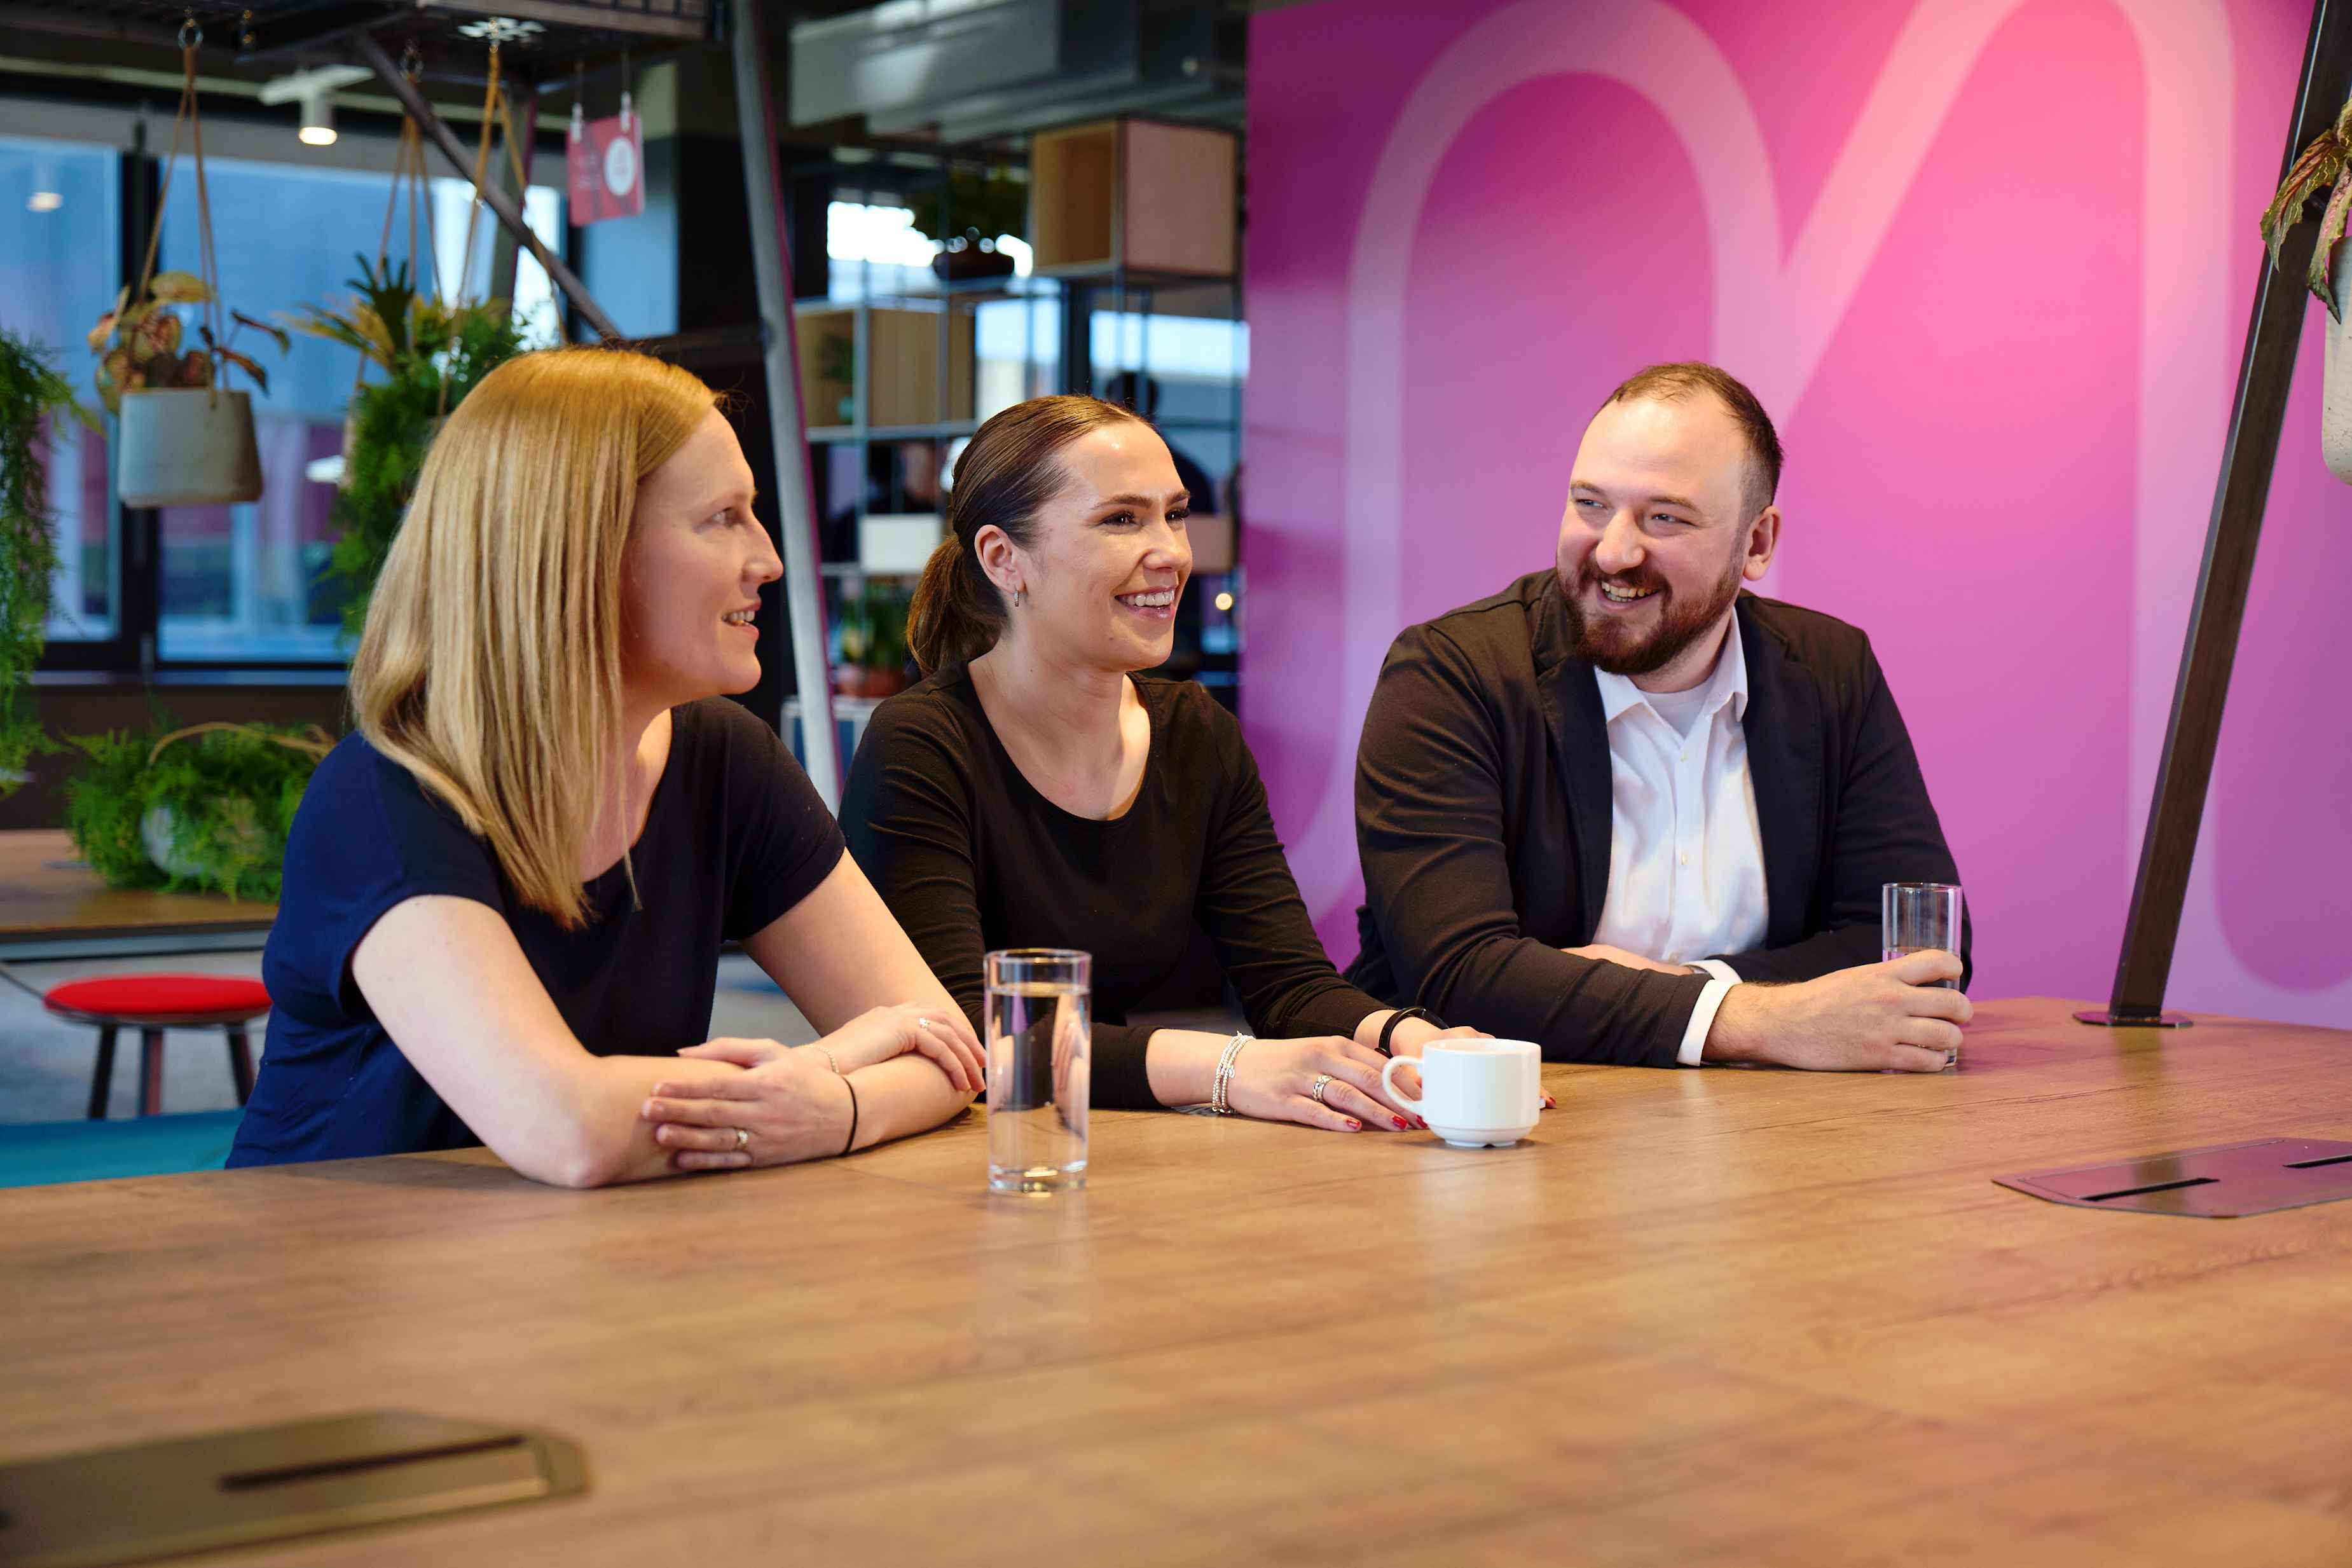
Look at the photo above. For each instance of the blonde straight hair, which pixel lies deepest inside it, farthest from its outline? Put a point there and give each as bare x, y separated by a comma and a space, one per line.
491, 665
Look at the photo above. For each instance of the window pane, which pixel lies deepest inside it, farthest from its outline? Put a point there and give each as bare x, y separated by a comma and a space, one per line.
250, 582
59, 203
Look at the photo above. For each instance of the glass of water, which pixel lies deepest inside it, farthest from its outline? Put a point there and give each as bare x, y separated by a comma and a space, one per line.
1039, 1040
1916, 916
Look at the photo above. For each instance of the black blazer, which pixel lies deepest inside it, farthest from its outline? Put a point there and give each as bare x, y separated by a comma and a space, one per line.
1483, 816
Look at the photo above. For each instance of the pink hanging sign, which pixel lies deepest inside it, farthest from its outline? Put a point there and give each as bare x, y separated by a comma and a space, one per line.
607, 163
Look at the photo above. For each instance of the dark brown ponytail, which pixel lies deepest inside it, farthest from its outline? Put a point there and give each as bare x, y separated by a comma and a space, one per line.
1005, 477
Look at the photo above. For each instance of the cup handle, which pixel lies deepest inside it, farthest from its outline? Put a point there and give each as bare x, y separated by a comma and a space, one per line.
1388, 1083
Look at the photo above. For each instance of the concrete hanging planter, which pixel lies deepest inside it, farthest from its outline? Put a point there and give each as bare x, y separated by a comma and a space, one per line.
185, 439
2335, 410
188, 447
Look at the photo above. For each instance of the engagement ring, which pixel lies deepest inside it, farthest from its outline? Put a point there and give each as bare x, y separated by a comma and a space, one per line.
1322, 1082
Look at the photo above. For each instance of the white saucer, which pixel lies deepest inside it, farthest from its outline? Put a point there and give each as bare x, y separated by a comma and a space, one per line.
1481, 1137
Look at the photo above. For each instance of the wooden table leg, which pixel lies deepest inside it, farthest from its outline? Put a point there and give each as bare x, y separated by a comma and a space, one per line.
151, 1069
101, 1082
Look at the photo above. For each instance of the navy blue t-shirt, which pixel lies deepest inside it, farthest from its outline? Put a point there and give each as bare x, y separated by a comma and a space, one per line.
734, 836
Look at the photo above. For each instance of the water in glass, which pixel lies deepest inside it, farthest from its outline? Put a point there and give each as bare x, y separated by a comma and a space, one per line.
1037, 1086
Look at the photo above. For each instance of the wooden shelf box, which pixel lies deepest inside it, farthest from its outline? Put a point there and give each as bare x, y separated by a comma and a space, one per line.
1135, 196
902, 373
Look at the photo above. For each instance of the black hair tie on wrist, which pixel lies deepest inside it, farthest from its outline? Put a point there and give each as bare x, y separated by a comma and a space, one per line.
851, 1142
1398, 1016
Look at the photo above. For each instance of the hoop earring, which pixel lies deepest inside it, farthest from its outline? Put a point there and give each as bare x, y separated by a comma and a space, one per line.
1020, 597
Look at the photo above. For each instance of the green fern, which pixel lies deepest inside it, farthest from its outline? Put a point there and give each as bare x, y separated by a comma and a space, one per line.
230, 792
31, 392
394, 421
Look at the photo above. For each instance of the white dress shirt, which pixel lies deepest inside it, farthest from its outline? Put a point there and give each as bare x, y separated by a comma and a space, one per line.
1685, 856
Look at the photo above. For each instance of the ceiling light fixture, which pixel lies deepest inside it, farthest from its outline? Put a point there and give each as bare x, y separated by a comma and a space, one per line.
318, 117
45, 202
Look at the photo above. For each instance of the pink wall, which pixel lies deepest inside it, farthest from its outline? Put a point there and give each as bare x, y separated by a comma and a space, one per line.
1988, 264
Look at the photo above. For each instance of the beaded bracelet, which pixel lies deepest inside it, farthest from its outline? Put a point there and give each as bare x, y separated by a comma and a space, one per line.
1225, 1079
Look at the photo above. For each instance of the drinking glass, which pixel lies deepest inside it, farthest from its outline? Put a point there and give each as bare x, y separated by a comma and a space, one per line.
1038, 1039
1916, 916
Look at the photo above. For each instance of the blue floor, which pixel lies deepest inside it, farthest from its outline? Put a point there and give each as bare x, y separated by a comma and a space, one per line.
37, 1153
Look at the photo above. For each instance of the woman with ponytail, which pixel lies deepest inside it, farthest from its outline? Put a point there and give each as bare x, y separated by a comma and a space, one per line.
1035, 791
506, 894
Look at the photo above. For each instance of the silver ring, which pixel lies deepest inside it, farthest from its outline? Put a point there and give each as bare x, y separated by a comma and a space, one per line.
1322, 1082
742, 1138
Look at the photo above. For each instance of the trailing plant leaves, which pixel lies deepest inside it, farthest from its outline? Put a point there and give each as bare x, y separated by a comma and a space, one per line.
285, 342
32, 391
178, 288
260, 376
2331, 234
393, 422
2321, 165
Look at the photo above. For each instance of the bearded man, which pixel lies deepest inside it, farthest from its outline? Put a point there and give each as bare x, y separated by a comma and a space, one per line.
1632, 811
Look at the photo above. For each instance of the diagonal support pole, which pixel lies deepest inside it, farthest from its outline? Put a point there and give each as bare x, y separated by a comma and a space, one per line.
755, 123
508, 208
2256, 416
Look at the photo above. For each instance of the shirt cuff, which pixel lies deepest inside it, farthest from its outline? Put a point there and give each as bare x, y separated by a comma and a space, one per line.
1701, 1016
1718, 968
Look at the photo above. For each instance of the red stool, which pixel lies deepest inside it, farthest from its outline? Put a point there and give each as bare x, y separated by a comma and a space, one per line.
151, 1004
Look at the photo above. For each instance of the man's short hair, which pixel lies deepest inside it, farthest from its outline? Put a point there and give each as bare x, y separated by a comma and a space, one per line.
1674, 383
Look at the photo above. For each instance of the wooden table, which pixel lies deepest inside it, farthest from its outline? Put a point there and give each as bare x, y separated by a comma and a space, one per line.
1701, 1317
51, 907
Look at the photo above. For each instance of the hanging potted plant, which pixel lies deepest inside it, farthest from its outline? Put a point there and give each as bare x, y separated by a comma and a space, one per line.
2324, 172
31, 393
432, 354
185, 439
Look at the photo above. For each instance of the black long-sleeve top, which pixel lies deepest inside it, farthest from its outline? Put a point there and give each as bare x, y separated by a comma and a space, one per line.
971, 858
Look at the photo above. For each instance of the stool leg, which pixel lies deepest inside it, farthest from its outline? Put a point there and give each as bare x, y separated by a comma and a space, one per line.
101, 1083
240, 1064
151, 1071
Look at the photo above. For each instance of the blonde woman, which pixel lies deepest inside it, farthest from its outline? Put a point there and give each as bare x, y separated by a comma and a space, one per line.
1035, 790
505, 895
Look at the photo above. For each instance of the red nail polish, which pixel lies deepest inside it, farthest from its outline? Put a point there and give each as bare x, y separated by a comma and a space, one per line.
1354, 1125
1400, 1123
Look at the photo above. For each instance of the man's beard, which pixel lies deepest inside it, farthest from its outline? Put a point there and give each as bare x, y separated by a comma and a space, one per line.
1606, 645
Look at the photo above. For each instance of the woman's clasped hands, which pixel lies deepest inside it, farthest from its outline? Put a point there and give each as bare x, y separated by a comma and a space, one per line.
789, 1103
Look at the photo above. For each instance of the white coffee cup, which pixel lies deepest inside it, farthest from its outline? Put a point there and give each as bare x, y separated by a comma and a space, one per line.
1474, 1093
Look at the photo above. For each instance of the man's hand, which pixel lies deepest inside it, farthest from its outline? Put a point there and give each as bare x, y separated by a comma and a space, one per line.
1608, 955
1875, 1017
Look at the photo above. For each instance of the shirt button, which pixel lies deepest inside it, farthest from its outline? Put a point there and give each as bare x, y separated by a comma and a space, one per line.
1685, 860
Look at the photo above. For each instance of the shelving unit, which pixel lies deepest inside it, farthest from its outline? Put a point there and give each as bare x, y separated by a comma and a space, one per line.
897, 364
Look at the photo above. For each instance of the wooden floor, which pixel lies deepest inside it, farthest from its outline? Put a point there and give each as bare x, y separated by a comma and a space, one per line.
1721, 1317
